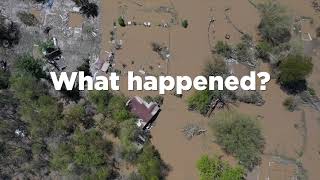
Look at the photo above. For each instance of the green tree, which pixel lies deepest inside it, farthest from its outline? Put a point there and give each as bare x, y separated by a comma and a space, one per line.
73, 117
240, 136
223, 49
100, 99
150, 163
90, 10
86, 155
275, 25
121, 22
117, 108
128, 135
30, 65
293, 71
4, 79
216, 169
199, 101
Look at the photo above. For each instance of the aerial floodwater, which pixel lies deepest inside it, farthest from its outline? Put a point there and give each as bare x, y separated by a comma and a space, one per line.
160, 89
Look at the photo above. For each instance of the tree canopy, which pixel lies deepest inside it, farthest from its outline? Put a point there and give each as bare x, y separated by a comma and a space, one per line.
216, 169
275, 25
293, 71
239, 135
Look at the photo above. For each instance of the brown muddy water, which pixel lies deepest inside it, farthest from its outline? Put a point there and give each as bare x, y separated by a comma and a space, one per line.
190, 49
75, 20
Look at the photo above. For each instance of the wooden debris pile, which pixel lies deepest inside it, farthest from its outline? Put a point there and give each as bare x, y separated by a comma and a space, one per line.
192, 130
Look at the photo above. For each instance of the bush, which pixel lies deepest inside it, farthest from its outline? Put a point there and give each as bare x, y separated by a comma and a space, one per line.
117, 108
4, 79
223, 49
318, 32
90, 10
121, 22
100, 99
86, 155
27, 18
30, 65
216, 67
150, 164
9, 32
185, 23
240, 136
263, 50
293, 71
215, 168
85, 67
275, 25
199, 101
290, 104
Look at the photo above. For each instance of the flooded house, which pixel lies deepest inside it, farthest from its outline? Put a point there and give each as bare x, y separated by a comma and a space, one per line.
145, 112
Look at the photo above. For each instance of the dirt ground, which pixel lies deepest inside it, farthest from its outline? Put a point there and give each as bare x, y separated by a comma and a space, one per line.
189, 49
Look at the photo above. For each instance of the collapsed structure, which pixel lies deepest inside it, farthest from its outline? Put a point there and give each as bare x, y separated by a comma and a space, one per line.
145, 112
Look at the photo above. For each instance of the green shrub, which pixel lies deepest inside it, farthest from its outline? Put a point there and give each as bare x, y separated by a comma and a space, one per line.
290, 104
215, 168
90, 9
100, 99
150, 163
293, 71
30, 65
263, 50
85, 67
185, 23
275, 25
223, 49
199, 101
4, 79
117, 108
318, 32
240, 136
121, 22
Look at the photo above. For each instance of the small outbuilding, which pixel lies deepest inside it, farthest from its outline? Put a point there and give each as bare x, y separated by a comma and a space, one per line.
146, 112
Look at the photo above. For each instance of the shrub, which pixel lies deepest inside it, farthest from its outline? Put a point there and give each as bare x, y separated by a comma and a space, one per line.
150, 163
86, 155
275, 25
290, 104
117, 108
85, 67
263, 50
27, 18
222, 48
30, 65
4, 79
100, 99
90, 10
318, 32
121, 22
240, 136
199, 101
215, 168
216, 67
293, 71
185, 23
9, 32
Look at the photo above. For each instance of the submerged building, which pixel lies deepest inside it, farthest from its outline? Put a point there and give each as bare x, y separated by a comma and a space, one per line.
145, 112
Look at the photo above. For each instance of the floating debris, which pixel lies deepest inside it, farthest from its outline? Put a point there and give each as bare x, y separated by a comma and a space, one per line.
192, 130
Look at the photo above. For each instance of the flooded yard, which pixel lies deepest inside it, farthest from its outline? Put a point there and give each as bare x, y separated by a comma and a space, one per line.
189, 50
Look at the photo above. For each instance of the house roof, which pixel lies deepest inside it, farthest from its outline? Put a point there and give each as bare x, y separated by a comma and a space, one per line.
145, 111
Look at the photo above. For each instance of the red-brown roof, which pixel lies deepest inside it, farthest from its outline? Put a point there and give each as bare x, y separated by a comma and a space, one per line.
140, 108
